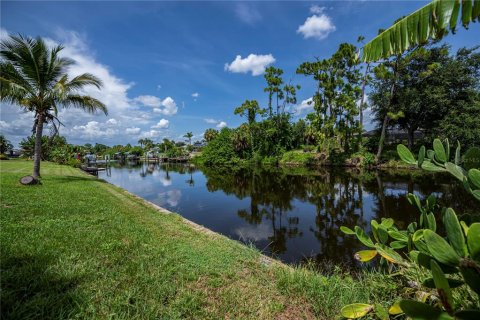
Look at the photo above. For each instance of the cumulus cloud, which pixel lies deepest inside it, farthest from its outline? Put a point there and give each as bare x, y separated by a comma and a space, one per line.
221, 124
195, 94
150, 134
162, 124
247, 13
254, 63
133, 131
318, 26
305, 105
167, 106
94, 129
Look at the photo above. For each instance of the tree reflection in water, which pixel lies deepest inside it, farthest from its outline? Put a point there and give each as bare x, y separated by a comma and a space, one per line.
294, 214
338, 197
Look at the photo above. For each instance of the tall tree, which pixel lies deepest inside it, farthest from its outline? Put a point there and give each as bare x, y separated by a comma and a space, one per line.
189, 136
274, 82
338, 92
35, 78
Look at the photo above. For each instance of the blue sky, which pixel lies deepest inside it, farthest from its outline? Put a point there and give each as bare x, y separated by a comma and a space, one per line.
173, 67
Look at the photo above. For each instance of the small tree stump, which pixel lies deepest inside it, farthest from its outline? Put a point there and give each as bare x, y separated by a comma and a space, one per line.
28, 180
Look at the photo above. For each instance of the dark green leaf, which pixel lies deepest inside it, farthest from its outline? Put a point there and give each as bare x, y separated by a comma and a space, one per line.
440, 249
454, 232
443, 288
439, 149
419, 310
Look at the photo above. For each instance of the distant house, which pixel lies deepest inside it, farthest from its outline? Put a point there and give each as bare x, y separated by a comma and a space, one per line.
15, 153
395, 135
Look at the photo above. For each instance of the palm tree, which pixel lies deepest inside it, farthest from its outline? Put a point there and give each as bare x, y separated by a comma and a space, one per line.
189, 136
34, 77
5, 145
141, 142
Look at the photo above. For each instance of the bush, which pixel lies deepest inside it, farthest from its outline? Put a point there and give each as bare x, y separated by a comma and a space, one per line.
4, 157
297, 157
220, 150
74, 163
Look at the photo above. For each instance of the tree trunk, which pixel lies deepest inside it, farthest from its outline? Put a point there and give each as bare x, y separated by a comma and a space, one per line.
364, 84
386, 119
38, 146
411, 138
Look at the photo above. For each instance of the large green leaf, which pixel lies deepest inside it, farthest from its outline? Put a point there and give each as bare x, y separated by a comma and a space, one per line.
429, 166
406, 155
356, 310
455, 170
440, 153
474, 177
363, 237
422, 311
431, 21
454, 232
347, 230
473, 241
453, 283
443, 288
389, 254
440, 249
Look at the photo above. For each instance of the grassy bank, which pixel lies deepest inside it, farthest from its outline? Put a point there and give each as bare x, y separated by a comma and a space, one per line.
77, 247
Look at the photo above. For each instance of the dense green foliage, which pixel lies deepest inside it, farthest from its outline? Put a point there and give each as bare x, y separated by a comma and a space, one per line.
5, 145
425, 92
429, 256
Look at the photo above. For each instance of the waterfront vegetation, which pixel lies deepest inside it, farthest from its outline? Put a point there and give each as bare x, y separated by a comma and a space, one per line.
76, 246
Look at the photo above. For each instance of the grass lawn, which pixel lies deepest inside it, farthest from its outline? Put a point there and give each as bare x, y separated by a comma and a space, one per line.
77, 247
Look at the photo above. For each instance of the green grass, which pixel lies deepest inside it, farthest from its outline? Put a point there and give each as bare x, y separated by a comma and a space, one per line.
77, 247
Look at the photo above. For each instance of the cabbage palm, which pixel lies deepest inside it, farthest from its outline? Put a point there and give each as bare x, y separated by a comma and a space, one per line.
432, 21
34, 77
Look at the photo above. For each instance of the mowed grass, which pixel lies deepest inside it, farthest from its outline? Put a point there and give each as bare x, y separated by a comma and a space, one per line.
77, 247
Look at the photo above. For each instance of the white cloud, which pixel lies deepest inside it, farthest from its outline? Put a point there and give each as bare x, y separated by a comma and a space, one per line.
211, 121
255, 64
133, 131
318, 26
148, 101
159, 86
195, 94
94, 129
162, 124
221, 124
112, 122
305, 105
316, 9
247, 13
150, 134
166, 106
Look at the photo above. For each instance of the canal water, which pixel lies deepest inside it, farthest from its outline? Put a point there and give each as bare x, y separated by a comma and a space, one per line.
292, 214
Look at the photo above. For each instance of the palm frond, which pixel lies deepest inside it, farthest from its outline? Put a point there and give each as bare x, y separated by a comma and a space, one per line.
433, 21
86, 103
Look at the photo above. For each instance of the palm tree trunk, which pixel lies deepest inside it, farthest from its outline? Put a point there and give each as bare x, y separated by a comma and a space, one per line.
38, 146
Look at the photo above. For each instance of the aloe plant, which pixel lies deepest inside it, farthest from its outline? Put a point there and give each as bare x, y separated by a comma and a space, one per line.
456, 255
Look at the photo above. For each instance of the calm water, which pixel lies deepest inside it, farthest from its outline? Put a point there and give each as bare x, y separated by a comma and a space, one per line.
292, 214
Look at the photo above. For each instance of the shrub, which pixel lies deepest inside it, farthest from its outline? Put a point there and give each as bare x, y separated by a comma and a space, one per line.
297, 157
4, 157
220, 150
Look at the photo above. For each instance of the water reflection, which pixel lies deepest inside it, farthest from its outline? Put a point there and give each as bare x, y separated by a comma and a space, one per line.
293, 214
